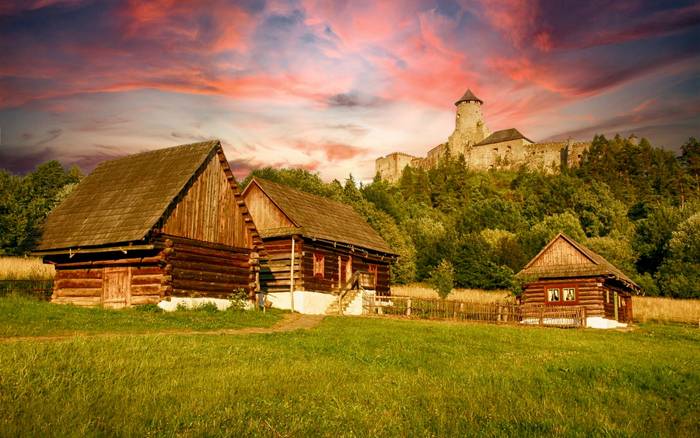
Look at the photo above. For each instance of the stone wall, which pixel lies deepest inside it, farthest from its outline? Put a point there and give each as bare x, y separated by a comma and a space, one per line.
391, 166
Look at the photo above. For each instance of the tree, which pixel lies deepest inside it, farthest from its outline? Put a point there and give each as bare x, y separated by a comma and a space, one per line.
442, 278
26, 201
679, 274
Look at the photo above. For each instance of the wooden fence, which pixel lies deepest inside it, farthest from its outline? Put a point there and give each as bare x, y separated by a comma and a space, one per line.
39, 289
498, 313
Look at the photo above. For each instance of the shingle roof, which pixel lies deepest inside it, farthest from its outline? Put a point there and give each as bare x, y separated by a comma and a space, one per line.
122, 199
503, 135
320, 218
598, 265
468, 96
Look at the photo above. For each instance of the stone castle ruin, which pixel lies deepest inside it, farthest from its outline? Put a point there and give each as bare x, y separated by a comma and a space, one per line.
484, 150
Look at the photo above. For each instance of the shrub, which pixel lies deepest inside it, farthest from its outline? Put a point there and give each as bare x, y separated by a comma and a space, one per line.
442, 278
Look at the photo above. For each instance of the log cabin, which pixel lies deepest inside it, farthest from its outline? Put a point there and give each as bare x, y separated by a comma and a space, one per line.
151, 226
313, 243
566, 273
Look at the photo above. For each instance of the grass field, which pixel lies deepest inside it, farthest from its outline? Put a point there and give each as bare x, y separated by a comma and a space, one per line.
354, 376
28, 317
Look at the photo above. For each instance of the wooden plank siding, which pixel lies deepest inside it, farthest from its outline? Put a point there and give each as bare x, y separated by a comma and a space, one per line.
560, 253
209, 211
266, 214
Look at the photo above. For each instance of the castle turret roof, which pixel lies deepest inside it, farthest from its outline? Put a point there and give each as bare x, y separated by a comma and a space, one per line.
468, 97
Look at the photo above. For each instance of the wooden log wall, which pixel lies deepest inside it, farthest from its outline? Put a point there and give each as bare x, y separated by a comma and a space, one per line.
84, 279
589, 294
203, 269
275, 267
335, 275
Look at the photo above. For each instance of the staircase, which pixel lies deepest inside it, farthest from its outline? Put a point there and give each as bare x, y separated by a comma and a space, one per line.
349, 299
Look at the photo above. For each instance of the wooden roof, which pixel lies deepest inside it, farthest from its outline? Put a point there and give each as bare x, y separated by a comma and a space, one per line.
580, 262
503, 135
122, 200
467, 97
317, 217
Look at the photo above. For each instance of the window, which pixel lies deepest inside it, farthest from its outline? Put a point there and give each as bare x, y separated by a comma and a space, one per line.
319, 260
569, 294
560, 294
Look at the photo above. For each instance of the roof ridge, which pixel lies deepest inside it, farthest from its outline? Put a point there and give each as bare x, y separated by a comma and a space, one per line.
213, 142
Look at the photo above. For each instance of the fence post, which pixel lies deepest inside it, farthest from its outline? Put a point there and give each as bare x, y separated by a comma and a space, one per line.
408, 307
542, 315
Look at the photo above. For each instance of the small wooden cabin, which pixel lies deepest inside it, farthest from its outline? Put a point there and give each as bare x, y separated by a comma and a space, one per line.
331, 241
566, 273
138, 229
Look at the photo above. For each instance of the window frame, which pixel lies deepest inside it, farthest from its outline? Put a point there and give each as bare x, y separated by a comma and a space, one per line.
560, 288
319, 265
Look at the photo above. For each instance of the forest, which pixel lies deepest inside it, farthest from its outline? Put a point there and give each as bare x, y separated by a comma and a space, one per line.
635, 204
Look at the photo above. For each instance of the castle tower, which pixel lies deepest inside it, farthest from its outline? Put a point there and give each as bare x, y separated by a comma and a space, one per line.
469, 124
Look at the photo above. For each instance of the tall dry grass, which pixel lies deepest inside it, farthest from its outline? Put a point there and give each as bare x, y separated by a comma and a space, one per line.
25, 268
419, 290
666, 310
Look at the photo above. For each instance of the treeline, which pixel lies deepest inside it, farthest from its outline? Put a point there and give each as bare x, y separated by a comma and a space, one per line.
637, 205
25, 201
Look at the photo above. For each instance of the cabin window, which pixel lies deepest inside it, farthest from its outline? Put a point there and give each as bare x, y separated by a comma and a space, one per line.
319, 260
569, 294
553, 295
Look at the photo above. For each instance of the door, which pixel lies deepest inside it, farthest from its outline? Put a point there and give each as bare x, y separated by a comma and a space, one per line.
116, 291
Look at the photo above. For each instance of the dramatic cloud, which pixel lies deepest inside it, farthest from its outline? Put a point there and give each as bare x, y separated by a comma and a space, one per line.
328, 85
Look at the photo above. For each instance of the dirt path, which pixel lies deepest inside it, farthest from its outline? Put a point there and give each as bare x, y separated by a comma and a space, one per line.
288, 323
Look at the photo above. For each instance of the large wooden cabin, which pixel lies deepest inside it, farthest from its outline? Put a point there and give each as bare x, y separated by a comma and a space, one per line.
331, 241
146, 227
566, 273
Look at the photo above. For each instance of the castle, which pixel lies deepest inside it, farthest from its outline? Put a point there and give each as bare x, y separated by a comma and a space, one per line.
483, 150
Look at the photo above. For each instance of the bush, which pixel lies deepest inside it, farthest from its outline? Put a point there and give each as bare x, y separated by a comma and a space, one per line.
442, 278
149, 308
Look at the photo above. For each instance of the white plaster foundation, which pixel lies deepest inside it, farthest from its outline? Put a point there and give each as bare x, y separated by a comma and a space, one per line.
310, 303
192, 303
597, 322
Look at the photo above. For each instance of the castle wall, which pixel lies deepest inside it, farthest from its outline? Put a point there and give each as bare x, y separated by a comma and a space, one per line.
470, 129
391, 166
501, 154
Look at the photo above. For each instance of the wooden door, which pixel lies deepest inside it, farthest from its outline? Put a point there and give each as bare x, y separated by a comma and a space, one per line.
116, 290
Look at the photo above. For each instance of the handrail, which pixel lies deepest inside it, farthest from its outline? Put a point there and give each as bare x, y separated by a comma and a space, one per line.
351, 284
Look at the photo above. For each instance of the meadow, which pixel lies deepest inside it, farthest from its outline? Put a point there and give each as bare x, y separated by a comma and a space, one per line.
348, 377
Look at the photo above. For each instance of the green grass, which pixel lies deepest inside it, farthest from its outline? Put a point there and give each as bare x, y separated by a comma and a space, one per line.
21, 316
354, 376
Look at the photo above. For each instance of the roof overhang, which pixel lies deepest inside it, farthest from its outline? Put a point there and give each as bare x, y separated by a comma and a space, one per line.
97, 250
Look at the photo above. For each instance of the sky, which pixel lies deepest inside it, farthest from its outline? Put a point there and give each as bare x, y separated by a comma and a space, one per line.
329, 86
